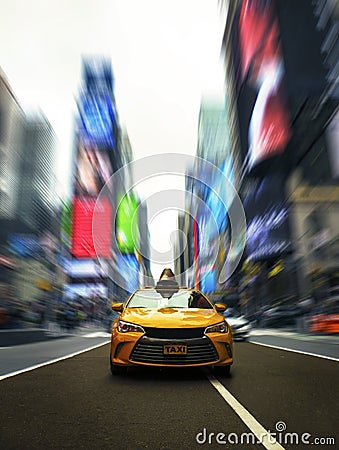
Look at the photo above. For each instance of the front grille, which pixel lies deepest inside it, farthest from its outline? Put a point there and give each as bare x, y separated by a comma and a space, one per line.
150, 350
174, 333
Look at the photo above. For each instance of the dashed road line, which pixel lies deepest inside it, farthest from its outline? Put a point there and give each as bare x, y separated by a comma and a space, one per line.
262, 435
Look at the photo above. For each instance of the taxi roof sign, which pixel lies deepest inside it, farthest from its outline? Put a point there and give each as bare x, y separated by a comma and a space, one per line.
167, 274
167, 284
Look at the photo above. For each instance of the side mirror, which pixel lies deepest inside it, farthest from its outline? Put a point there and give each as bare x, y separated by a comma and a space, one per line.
117, 307
220, 307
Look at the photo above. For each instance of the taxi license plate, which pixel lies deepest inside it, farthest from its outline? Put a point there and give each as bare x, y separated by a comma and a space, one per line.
175, 349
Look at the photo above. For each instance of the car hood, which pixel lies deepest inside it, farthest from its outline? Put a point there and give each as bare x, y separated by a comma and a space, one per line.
171, 317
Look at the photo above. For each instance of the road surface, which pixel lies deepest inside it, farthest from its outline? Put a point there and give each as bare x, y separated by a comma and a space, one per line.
75, 403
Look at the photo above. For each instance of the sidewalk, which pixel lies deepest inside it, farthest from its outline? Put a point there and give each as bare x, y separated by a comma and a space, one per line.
294, 334
20, 336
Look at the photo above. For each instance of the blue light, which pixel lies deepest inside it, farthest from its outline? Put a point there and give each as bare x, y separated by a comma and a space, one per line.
97, 120
208, 282
128, 267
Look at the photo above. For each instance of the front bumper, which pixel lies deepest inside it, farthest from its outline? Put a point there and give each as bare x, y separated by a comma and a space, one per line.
134, 349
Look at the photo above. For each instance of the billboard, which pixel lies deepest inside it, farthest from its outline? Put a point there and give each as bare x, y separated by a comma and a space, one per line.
267, 214
208, 281
85, 268
86, 290
66, 222
217, 195
82, 227
264, 118
97, 119
96, 104
304, 43
93, 171
127, 223
24, 245
97, 74
128, 267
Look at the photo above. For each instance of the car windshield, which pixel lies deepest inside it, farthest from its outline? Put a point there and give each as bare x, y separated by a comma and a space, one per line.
150, 298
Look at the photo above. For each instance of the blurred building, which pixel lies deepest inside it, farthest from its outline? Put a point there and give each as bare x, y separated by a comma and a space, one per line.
126, 155
37, 202
183, 252
210, 188
28, 204
97, 228
314, 185
95, 160
180, 250
11, 119
281, 61
144, 251
11, 150
37, 208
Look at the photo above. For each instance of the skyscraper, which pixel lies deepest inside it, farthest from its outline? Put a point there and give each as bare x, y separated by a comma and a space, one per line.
37, 201
94, 163
11, 123
281, 60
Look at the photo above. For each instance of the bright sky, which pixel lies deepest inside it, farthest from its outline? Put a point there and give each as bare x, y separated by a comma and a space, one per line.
165, 56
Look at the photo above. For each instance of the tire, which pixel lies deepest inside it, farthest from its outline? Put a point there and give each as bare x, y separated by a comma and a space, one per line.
222, 370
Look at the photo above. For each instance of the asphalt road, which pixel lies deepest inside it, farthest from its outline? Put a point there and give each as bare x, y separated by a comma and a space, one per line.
322, 345
76, 404
19, 357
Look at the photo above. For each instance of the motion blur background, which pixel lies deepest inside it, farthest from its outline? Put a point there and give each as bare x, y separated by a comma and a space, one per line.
270, 127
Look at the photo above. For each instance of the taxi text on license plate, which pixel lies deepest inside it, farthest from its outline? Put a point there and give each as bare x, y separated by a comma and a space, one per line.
175, 349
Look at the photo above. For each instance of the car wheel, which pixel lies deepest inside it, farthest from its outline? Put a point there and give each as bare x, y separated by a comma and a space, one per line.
222, 370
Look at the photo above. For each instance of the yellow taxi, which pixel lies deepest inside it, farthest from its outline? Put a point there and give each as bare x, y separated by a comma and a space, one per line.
168, 326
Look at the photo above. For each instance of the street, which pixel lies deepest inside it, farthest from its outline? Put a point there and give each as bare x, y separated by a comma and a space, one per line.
76, 403
169, 199
20, 357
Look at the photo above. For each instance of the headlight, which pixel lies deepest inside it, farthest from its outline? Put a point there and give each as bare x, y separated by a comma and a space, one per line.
125, 327
221, 327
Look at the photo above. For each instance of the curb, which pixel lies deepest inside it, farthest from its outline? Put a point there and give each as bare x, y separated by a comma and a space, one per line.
9, 338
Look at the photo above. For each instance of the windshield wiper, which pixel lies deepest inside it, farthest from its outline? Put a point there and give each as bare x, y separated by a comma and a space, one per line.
133, 307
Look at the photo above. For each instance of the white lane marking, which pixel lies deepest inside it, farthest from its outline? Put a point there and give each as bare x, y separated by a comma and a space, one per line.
263, 436
96, 334
271, 332
52, 361
295, 351
293, 335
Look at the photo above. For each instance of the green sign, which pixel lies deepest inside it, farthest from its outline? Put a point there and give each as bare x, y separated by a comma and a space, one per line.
66, 222
127, 223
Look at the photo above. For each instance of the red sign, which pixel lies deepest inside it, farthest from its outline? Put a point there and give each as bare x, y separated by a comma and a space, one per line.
85, 244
